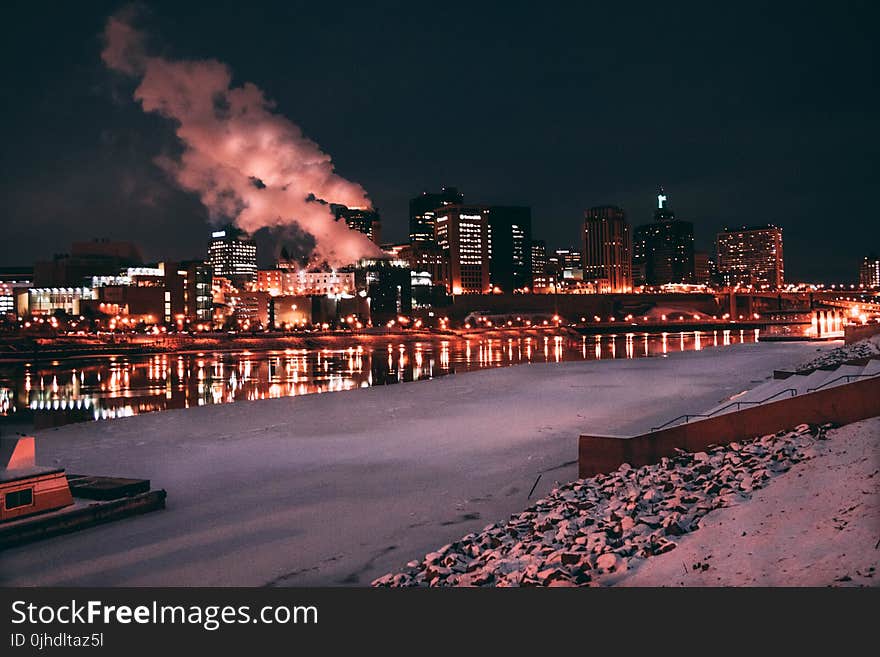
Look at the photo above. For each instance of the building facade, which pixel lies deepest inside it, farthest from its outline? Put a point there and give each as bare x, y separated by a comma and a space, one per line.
510, 237
423, 212
188, 285
426, 258
233, 255
751, 256
607, 249
462, 233
869, 271
301, 282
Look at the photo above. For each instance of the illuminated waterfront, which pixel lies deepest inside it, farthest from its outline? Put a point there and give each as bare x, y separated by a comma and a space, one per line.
61, 392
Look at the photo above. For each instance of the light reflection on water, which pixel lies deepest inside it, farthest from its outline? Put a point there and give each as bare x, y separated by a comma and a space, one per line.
100, 389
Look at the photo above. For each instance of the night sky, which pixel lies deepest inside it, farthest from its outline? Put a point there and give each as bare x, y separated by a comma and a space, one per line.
746, 113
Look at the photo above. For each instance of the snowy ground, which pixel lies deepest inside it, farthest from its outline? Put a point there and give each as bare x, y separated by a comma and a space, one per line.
341, 488
861, 349
734, 515
817, 525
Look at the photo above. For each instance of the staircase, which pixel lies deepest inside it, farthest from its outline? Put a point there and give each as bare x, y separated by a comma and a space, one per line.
778, 389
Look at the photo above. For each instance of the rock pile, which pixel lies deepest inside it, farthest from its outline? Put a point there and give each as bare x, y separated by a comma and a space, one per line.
861, 349
587, 531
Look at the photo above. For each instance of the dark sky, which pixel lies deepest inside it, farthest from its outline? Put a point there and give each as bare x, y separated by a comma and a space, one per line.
746, 113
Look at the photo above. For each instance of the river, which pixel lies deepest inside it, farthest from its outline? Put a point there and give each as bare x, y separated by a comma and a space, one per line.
59, 392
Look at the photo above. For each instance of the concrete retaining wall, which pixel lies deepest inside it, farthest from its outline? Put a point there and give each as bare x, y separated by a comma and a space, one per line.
841, 405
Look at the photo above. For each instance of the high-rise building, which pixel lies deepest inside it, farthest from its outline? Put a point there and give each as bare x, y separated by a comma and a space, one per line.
233, 255
751, 256
663, 251
423, 212
462, 233
640, 256
510, 238
539, 259
362, 220
607, 250
869, 271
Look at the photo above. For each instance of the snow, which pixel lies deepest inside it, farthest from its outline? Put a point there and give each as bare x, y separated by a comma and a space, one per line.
340, 488
816, 525
868, 347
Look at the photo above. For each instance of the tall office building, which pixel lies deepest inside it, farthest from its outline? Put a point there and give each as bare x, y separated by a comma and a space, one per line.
751, 256
510, 236
233, 255
362, 220
539, 264
607, 250
640, 256
869, 271
462, 233
663, 251
423, 212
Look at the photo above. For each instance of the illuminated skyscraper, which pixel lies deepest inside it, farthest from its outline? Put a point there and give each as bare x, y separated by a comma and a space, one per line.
607, 251
751, 256
462, 233
663, 251
423, 211
539, 259
233, 255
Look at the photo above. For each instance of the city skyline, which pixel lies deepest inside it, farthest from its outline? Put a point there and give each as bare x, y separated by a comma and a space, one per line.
298, 296
84, 151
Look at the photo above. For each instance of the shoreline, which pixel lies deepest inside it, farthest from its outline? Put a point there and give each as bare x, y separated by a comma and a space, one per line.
72, 348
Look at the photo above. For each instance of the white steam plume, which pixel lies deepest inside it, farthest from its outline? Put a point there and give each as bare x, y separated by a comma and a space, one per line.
245, 162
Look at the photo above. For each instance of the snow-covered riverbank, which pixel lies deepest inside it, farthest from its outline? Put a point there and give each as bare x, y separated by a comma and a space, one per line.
340, 488
814, 524
818, 525
861, 349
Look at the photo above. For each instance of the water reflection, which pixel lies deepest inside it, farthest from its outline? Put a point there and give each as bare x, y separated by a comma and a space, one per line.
71, 391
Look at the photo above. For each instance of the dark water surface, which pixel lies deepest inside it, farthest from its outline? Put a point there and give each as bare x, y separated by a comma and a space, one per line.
65, 391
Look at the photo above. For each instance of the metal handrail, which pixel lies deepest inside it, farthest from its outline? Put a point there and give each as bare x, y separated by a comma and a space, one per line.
793, 392
687, 418
848, 377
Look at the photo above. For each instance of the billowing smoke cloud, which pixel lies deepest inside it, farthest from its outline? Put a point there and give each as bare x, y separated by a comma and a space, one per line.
246, 163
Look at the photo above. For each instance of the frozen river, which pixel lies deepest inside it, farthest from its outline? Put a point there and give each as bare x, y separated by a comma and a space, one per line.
341, 488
